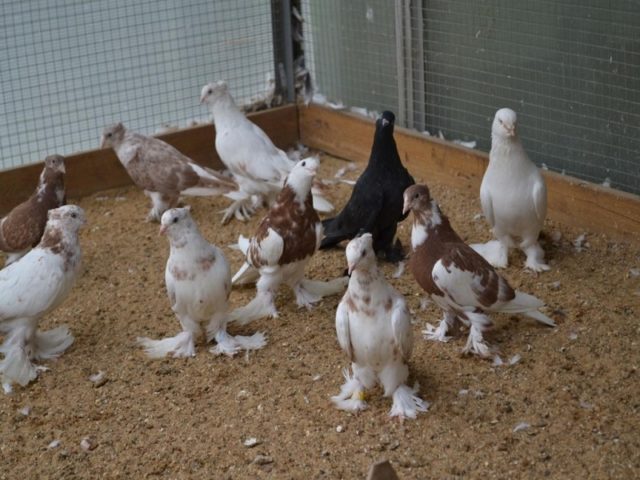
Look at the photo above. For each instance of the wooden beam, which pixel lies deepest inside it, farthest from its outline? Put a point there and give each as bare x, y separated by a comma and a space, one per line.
96, 170
571, 201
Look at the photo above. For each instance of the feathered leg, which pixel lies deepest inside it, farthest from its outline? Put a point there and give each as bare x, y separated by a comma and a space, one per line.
242, 209
160, 204
351, 396
230, 345
263, 304
439, 334
535, 255
182, 345
52, 343
16, 366
475, 342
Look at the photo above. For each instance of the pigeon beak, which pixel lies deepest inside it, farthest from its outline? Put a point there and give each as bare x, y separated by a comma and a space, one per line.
511, 131
163, 230
350, 268
103, 140
202, 99
406, 207
62, 168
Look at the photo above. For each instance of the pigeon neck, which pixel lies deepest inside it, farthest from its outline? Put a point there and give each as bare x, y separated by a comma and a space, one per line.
301, 188
385, 150
186, 236
62, 241
50, 183
225, 110
425, 222
502, 146
362, 278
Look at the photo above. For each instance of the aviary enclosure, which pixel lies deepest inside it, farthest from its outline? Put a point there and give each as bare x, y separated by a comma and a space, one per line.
562, 403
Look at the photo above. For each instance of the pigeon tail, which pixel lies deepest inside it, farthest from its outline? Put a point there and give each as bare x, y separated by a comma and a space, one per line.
321, 204
541, 317
322, 289
351, 396
527, 305
245, 275
261, 306
182, 345
52, 343
494, 252
16, 367
230, 345
406, 404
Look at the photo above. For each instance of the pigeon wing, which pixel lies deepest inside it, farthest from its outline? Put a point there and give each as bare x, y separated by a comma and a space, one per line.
487, 203
401, 323
31, 286
540, 198
342, 328
468, 281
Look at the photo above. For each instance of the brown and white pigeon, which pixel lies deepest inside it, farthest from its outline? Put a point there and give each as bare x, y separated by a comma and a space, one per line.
161, 170
23, 227
374, 330
462, 283
513, 196
32, 287
284, 243
257, 165
198, 282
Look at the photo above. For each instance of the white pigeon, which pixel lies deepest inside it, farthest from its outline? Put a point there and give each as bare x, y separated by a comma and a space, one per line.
374, 329
257, 165
161, 170
285, 241
198, 282
513, 196
32, 287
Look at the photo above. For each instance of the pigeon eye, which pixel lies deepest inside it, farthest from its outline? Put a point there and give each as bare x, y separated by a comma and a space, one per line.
175, 219
109, 135
415, 196
210, 91
364, 253
74, 215
304, 164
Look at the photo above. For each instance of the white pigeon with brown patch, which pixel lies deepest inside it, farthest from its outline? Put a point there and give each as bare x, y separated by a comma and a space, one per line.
161, 170
257, 165
34, 286
374, 330
513, 194
23, 227
284, 243
460, 281
198, 281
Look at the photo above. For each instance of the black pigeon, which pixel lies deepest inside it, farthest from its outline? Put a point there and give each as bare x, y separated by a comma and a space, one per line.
375, 205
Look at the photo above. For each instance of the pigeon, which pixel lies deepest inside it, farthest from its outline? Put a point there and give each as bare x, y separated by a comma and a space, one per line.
374, 329
513, 196
22, 229
198, 282
34, 286
162, 171
284, 243
257, 165
460, 281
375, 205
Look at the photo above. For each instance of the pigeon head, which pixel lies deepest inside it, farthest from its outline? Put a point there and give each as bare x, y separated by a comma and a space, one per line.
112, 135
212, 92
55, 163
425, 209
301, 176
69, 217
175, 221
386, 121
360, 254
504, 124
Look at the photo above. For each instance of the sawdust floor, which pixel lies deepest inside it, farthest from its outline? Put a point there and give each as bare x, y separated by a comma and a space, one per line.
575, 385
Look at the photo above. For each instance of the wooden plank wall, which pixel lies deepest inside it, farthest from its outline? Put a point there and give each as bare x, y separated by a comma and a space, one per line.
571, 201
96, 170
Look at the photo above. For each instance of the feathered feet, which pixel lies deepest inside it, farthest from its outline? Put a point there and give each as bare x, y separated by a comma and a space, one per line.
241, 209
308, 292
180, 346
351, 396
230, 345
406, 404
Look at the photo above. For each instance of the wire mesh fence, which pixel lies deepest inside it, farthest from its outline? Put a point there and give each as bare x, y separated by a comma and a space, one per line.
68, 68
571, 69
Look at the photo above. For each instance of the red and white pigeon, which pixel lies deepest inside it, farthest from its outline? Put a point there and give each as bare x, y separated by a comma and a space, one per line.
198, 281
161, 170
284, 243
513, 196
462, 283
34, 286
23, 227
257, 165
374, 330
